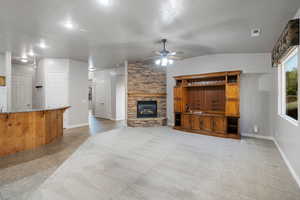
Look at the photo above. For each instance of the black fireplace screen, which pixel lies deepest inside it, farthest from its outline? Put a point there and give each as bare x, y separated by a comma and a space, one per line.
146, 109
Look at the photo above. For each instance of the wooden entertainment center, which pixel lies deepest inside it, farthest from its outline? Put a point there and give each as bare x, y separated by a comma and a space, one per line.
208, 104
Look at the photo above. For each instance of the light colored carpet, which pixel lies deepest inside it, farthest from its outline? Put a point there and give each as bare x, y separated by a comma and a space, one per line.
162, 164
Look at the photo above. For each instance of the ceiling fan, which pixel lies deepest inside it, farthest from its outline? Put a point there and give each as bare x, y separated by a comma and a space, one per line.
166, 57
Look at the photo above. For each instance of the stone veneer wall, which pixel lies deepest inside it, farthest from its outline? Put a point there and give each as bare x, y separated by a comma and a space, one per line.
146, 83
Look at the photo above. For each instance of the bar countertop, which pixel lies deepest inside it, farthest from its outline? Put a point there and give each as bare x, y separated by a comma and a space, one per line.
33, 110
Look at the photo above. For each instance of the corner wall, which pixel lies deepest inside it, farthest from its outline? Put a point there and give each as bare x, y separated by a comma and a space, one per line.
78, 94
70, 88
286, 134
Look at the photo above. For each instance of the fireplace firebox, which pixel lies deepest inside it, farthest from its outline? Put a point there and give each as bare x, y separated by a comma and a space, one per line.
146, 109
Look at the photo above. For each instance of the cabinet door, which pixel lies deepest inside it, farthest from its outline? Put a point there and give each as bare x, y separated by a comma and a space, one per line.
232, 108
195, 122
177, 99
205, 123
219, 124
232, 100
187, 121
232, 91
2, 81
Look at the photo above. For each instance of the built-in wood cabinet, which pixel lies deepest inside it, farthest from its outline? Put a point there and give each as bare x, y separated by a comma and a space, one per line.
208, 103
2, 81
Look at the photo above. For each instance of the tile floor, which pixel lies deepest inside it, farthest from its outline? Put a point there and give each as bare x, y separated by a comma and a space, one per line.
22, 173
162, 163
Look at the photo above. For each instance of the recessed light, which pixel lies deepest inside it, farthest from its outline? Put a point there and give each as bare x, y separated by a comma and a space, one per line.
105, 2
43, 45
92, 69
31, 53
23, 60
69, 25
255, 32
24, 56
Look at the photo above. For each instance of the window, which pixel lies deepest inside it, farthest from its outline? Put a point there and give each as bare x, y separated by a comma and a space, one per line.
289, 86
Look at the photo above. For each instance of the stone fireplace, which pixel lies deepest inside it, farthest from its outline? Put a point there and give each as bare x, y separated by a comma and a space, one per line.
146, 97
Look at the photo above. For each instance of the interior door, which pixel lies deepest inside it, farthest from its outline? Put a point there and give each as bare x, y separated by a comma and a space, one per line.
100, 100
21, 92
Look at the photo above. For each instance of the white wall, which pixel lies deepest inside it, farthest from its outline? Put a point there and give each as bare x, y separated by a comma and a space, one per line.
72, 91
120, 97
286, 134
2, 89
39, 93
254, 103
255, 84
78, 93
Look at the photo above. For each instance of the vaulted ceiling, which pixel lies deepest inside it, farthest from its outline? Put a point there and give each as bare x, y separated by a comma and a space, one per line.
110, 31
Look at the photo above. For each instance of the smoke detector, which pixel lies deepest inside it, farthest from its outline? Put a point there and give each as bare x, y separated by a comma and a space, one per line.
255, 32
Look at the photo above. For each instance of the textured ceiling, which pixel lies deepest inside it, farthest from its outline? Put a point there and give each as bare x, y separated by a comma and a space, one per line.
111, 31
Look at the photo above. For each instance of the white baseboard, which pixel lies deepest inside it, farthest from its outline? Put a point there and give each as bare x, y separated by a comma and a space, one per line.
77, 125
257, 136
287, 162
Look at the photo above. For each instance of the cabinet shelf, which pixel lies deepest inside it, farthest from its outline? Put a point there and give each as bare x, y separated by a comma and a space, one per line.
207, 85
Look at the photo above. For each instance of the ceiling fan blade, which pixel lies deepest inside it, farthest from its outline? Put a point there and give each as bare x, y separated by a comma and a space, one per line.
156, 52
175, 57
151, 58
179, 52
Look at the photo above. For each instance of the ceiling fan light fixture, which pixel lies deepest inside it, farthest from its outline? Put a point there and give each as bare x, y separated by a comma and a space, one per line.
157, 62
171, 62
164, 62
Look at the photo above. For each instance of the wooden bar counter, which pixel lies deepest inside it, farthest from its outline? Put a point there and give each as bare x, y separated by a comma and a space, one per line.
29, 129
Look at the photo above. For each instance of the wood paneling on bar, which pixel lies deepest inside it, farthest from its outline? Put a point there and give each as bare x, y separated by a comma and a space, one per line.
28, 130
